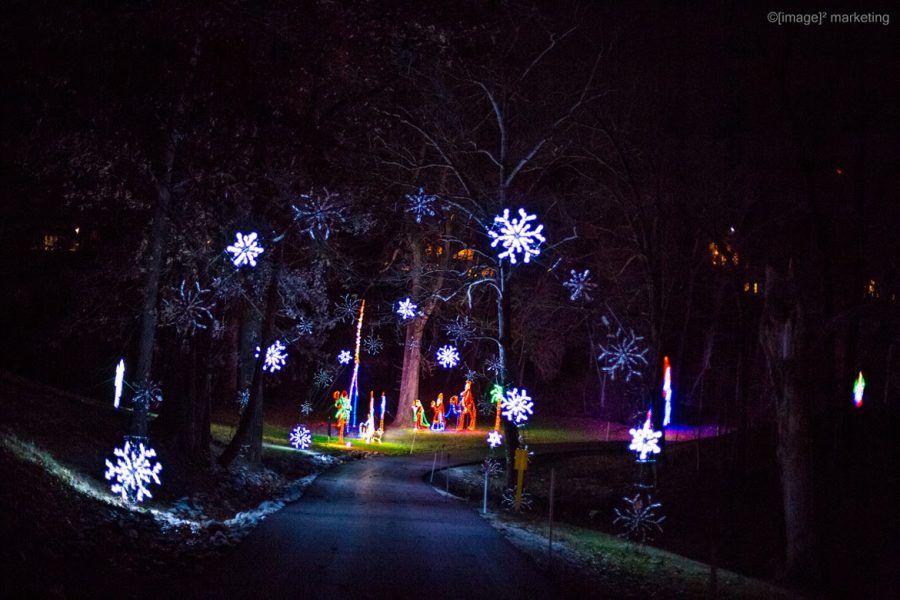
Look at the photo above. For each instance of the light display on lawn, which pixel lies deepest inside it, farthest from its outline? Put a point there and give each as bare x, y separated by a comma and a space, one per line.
120, 379
134, 469
407, 309
354, 381
275, 358
419, 420
623, 354
344, 357
667, 391
301, 437
437, 413
639, 519
516, 236
467, 408
420, 204
497, 397
644, 441
494, 439
859, 388
342, 414
244, 250
367, 429
517, 406
448, 356
580, 285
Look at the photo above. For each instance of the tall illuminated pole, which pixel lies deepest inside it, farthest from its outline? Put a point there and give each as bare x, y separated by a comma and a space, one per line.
354, 383
667, 391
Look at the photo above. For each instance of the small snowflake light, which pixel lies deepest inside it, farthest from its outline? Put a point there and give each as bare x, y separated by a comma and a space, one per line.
317, 214
120, 378
244, 250
517, 406
147, 393
494, 439
301, 437
471, 374
516, 236
132, 471
243, 398
420, 204
623, 354
407, 309
639, 520
304, 325
580, 285
188, 309
460, 331
347, 308
859, 388
644, 441
448, 356
276, 357
323, 378
373, 344
344, 357
306, 408
494, 365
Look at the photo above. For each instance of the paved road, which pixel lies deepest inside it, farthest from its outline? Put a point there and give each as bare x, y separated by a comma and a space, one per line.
374, 529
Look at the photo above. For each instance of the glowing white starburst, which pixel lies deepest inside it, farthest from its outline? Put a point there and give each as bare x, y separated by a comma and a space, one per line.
420, 204
306, 408
301, 437
407, 309
644, 440
373, 344
580, 285
120, 378
517, 406
245, 250
494, 439
276, 357
317, 214
344, 357
623, 353
448, 356
132, 471
516, 236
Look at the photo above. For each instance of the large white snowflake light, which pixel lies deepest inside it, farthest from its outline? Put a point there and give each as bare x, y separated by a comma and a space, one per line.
344, 357
420, 204
517, 406
244, 250
580, 285
120, 378
132, 471
448, 356
516, 236
623, 353
407, 309
644, 440
301, 437
276, 357
494, 439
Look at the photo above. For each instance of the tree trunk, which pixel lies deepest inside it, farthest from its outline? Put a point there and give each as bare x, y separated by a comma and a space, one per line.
409, 377
193, 425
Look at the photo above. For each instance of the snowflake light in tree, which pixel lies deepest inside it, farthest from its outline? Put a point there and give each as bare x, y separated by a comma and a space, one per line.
494, 365
322, 378
517, 406
120, 379
639, 519
188, 309
448, 356
580, 285
517, 236
146, 393
859, 388
318, 214
623, 354
373, 344
471, 374
420, 204
301, 437
133, 471
243, 398
347, 308
460, 331
494, 439
344, 357
644, 441
245, 250
275, 358
306, 408
407, 309
304, 325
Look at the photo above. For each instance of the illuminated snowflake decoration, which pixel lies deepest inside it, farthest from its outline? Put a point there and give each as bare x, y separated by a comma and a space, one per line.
580, 285
623, 354
509, 499
644, 441
275, 358
243, 398
347, 309
448, 356
188, 309
306, 408
323, 378
494, 365
471, 375
494, 439
407, 309
132, 472
491, 467
244, 250
460, 331
420, 204
146, 393
120, 379
373, 344
301, 437
344, 357
318, 214
517, 406
304, 325
639, 519
517, 236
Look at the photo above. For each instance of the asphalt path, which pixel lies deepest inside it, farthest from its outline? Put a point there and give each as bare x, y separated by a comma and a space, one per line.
374, 528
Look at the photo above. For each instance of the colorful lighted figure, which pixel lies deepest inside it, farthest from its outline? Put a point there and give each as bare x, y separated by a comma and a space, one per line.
437, 410
407, 309
367, 428
120, 378
452, 409
859, 389
419, 420
342, 404
644, 441
244, 250
467, 408
497, 397
381, 419
494, 439
667, 391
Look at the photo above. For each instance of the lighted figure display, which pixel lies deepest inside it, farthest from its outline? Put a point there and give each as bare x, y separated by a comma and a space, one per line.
344, 357
276, 357
244, 250
497, 397
407, 309
859, 388
580, 285
437, 410
452, 410
342, 404
644, 441
448, 356
301, 437
517, 406
494, 439
623, 353
381, 419
667, 391
467, 408
132, 471
367, 428
419, 420
120, 378
516, 236
420, 204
